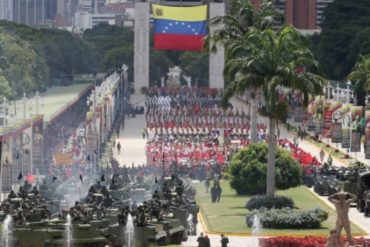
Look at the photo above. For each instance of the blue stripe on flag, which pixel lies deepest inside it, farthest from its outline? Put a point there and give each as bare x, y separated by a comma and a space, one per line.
163, 26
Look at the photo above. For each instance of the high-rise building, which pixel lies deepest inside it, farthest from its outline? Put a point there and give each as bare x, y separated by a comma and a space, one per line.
6, 10
303, 14
320, 6
29, 12
50, 9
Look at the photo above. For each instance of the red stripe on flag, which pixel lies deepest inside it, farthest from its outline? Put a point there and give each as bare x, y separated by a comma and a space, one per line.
178, 42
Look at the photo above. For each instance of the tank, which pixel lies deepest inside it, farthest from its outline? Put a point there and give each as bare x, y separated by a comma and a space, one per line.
52, 234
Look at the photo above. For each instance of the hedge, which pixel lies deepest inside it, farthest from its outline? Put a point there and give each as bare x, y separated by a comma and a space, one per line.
258, 202
288, 218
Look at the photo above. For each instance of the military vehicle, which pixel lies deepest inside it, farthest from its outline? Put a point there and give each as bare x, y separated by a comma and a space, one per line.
326, 186
53, 234
363, 186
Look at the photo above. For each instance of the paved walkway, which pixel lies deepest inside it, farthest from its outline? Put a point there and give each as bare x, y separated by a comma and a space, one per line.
132, 142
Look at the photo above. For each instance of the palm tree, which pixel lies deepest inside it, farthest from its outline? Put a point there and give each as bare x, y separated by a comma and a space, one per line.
241, 21
360, 75
270, 65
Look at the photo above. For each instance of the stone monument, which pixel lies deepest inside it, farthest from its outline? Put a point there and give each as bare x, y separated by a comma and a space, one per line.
173, 77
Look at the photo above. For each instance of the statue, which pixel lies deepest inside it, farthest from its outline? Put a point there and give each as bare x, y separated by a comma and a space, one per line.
174, 76
346, 122
188, 80
342, 202
356, 125
333, 239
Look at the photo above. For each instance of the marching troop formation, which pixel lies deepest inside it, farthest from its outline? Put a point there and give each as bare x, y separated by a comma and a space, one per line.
188, 127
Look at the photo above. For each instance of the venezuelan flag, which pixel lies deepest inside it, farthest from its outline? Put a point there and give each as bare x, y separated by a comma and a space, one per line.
179, 28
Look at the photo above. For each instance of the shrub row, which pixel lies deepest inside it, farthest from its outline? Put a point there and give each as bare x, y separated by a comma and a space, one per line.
288, 218
258, 202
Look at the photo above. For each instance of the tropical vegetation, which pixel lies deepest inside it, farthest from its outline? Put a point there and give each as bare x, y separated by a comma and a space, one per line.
345, 33
360, 75
274, 62
248, 170
234, 27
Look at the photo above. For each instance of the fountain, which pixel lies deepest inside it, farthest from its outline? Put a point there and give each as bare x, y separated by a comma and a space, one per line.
190, 222
130, 231
256, 226
68, 231
6, 234
256, 229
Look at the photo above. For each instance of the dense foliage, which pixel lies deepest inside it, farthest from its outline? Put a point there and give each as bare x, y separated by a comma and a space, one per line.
258, 202
288, 218
33, 58
113, 45
248, 170
308, 241
345, 34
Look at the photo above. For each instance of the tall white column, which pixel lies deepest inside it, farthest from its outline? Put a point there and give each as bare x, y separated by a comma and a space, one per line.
141, 44
216, 60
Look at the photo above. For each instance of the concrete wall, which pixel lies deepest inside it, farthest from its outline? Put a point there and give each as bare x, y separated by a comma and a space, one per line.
141, 46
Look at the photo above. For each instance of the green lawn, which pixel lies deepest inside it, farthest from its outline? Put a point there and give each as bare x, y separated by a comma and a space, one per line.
228, 216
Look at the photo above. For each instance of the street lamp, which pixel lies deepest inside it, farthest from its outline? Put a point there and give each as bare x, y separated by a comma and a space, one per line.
24, 99
4, 111
37, 102
348, 84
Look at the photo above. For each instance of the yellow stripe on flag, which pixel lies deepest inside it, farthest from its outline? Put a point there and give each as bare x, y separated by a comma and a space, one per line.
197, 13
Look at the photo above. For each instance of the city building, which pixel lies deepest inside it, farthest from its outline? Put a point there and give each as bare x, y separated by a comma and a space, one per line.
303, 14
50, 9
85, 20
320, 6
30, 12
6, 10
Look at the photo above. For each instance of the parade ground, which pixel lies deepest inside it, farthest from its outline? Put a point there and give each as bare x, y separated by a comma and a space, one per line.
228, 216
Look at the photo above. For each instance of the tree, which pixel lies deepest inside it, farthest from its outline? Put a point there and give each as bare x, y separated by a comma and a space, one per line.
59, 53
158, 67
240, 22
111, 42
270, 65
337, 48
360, 75
22, 69
196, 65
249, 166
5, 89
